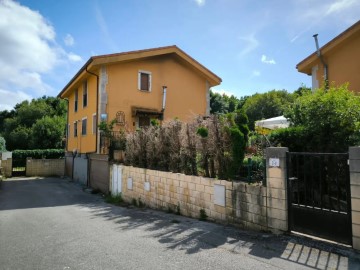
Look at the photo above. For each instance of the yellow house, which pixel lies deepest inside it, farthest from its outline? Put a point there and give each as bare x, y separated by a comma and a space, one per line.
338, 61
134, 87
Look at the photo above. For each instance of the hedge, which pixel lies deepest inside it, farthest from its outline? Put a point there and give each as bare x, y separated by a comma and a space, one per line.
39, 154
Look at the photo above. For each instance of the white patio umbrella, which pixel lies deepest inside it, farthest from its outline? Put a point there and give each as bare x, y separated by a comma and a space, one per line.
273, 123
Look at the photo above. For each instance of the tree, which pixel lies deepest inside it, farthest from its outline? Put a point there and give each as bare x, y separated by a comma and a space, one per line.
241, 120
48, 132
330, 119
218, 104
19, 138
222, 104
266, 105
2, 144
18, 124
3, 116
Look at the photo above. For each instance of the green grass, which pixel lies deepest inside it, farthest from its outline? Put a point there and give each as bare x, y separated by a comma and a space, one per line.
203, 216
114, 199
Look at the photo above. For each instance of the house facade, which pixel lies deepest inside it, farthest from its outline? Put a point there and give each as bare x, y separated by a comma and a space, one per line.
339, 61
131, 89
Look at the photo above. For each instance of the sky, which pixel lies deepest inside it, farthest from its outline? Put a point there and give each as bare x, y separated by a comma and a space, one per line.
253, 45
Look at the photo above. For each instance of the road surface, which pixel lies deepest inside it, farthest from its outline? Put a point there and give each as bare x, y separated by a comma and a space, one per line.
51, 223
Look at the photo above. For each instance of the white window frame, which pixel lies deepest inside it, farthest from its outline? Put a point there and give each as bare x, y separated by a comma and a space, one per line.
139, 80
94, 123
82, 124
85, 89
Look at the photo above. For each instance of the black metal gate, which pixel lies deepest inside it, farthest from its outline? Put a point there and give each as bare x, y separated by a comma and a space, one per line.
19, 167
319, 195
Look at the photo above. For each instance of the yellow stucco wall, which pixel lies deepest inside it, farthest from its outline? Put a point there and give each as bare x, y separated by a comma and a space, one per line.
186, 95
343, 64
83, 143
186, 90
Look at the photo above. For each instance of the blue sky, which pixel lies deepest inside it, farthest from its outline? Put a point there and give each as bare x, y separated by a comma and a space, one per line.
253, 45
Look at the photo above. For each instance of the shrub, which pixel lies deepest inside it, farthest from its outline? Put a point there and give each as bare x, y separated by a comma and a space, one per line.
328, 119
39, 153
202, 132
295, 138
213, 147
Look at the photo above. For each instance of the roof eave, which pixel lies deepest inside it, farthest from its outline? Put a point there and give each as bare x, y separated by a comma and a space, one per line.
74, 79
100, 60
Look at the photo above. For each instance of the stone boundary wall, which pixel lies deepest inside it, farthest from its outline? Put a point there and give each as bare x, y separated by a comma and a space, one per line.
6, 163
245, 205
354, 164
7, 167
99, 172
45, 167
69, 163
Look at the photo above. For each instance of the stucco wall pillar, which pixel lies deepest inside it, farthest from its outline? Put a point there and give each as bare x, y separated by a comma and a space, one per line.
276, 189
354, 162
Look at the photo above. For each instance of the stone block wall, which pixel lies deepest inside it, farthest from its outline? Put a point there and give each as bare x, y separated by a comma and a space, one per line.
45, 167
354, 162
242, 204
7, 167
276, 197
99, 172
69, 163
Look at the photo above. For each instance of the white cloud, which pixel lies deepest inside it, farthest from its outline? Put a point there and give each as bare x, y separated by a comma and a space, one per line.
256, 73
69, 40
223, 92
200, 3
310, 15
340, 5
74, 57
9, 99
250, 43
28, 51
267, 60
104, 29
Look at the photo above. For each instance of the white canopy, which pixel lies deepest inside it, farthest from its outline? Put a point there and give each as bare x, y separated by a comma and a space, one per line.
273, 123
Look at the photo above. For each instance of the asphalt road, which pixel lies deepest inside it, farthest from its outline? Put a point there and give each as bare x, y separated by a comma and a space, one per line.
53, 224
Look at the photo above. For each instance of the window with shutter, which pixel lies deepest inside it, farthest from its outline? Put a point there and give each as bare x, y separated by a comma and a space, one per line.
76, 100
144, 81
75, 129
144, 121
84, 126
85, 93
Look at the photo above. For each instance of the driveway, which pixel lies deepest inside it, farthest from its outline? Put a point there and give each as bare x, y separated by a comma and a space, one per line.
52, 223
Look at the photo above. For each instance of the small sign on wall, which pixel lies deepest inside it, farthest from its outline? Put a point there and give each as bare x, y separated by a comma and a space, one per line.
147, 186
219, 195
129, 183
274, 162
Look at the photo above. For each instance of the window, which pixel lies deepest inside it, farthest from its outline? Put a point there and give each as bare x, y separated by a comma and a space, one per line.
76, 100
144, 81
85, 93
94, 123
144, 121
83, 126
75, 129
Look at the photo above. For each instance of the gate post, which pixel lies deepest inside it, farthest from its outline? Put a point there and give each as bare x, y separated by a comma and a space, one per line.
354, 164
276, 189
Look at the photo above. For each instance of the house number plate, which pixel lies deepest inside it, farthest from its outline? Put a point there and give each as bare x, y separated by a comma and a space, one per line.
274, 162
